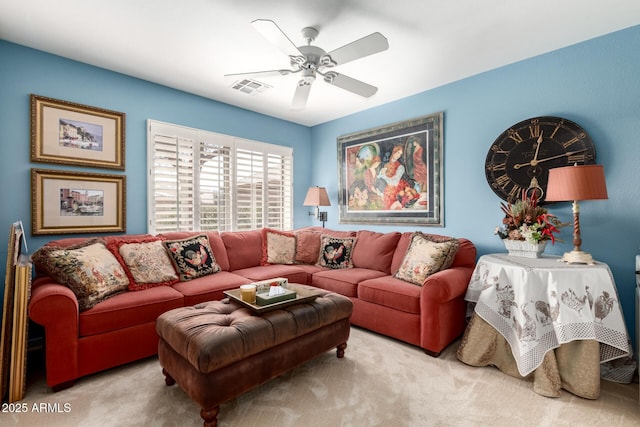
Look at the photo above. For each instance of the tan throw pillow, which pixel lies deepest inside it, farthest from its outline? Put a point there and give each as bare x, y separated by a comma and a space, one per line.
335, 252
89, 269
148, 264
278, 247
192, 257
425, 256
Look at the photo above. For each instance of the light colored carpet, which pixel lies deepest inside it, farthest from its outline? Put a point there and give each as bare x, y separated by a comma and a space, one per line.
380, 382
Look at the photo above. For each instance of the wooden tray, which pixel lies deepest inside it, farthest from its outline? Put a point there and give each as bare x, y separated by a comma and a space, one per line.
302, 295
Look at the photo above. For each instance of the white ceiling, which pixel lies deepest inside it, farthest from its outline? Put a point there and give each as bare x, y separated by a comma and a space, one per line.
190, 44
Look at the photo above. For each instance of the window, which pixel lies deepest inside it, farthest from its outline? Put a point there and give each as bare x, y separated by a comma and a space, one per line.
205, 181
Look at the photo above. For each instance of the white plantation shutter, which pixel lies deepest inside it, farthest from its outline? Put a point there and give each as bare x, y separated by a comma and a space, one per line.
215, 183
171, 180
202, 180
279, 191
249, 202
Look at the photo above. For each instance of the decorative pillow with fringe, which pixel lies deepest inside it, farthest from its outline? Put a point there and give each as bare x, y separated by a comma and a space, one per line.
426, 255
89, 269
278, 247
145, 261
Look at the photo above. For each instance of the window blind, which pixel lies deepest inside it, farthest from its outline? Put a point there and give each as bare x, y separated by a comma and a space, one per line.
201, 181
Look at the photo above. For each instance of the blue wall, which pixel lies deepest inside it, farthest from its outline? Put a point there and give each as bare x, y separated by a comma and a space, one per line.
594, 83
25, 71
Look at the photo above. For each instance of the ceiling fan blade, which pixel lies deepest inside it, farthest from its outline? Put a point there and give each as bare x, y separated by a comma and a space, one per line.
275, 35
349, 83
301, 95
368, 45
268, 73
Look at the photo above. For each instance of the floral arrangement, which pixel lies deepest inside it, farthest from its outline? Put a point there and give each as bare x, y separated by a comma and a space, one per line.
525, 220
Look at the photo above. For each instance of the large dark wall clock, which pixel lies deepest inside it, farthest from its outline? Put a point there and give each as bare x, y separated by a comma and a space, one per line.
520, 158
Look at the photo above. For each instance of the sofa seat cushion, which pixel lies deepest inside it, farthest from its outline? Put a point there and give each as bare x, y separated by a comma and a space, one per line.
311, 269
390, 292
344, 281
293, 273
209, 288
129, 309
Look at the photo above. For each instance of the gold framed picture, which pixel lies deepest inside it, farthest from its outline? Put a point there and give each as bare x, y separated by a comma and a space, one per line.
64, 202
74, 134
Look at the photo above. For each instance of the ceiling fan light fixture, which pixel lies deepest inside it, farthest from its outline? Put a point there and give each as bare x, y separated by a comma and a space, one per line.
330, 76
311, 60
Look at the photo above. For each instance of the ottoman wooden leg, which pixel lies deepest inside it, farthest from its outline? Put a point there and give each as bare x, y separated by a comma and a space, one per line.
168, 379
210, 416
340, 350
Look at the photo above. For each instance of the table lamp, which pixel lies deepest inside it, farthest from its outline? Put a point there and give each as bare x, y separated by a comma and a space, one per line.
574, 183
317, 196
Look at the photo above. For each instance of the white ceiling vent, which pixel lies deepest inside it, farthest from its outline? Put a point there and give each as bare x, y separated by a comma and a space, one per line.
250, 86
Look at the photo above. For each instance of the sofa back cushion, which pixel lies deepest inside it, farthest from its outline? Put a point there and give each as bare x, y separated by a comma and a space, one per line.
375, 250
333, 233
465, 257
307, 246
244, 248
215, 241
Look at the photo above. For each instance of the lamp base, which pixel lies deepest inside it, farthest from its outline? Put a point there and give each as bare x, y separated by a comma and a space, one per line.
577, 257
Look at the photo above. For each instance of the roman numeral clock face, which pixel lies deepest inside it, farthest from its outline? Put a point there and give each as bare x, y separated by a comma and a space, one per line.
520, 158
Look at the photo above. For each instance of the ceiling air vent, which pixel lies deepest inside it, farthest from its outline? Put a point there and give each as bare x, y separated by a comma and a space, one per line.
250, 86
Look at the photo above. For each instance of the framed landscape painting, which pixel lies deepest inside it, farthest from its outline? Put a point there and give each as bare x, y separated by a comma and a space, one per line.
393, 174
64, 202
73, 134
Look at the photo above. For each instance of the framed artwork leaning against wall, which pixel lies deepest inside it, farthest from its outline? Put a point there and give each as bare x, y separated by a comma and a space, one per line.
393, 174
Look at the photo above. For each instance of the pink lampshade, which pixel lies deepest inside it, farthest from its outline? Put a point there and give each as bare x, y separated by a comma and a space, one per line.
317, 196
579, 182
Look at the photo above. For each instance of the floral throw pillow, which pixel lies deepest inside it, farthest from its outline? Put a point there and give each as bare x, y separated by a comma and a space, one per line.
192, 257
278, 247
148, 264
425, 256
89, 269
335, 252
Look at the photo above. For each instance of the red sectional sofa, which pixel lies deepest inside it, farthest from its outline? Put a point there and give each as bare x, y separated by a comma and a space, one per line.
121, 328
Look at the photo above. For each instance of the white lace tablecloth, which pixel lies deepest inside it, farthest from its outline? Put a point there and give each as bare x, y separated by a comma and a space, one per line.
537, 304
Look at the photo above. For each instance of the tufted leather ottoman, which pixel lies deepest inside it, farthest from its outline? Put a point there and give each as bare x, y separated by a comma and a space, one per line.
217, 350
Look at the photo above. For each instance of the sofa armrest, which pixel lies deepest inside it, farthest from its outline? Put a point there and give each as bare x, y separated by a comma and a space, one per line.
55, 307
446, 285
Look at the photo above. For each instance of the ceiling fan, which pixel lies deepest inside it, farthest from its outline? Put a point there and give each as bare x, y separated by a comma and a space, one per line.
311, 60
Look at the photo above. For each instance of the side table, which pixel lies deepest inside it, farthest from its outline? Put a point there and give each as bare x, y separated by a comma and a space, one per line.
541, 319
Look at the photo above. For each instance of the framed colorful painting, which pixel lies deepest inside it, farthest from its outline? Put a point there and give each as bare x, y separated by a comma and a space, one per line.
64, 202
393, 174
73, 134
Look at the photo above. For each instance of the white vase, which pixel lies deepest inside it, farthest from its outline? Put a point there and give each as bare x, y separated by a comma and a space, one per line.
524, 248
